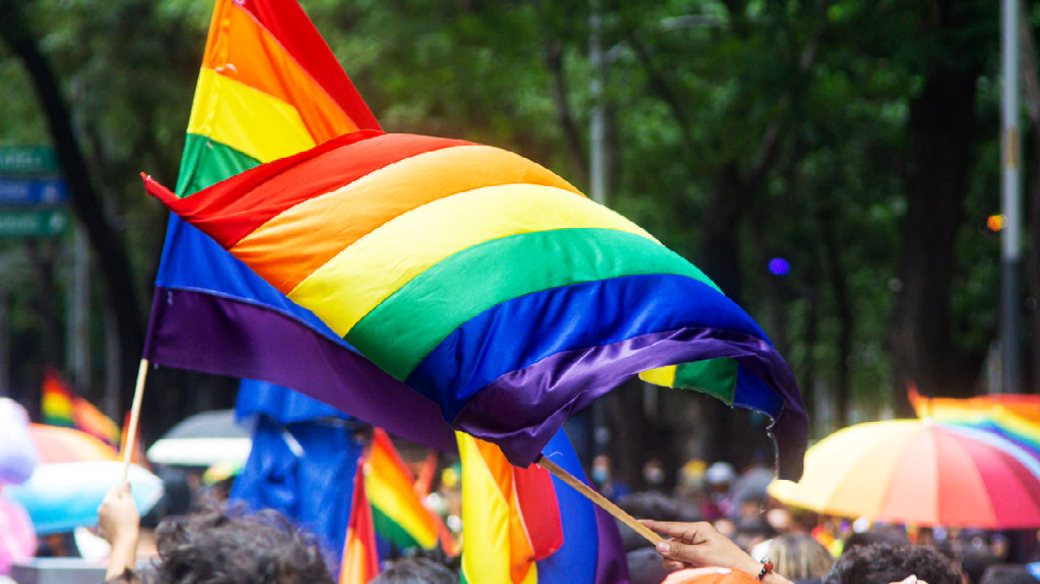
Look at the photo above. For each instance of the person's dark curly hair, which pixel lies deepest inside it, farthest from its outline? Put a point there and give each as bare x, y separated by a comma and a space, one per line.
214, 546
882, 563
416, 571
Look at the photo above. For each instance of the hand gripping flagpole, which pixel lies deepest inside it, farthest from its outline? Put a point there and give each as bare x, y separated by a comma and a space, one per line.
135, 413
600, 500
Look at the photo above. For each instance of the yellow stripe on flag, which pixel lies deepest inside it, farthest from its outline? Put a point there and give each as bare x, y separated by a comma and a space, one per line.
354, 282
663, 376
227, 111
495, 545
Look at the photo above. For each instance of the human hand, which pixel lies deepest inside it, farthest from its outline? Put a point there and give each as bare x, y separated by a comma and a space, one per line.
696, 545
118, 519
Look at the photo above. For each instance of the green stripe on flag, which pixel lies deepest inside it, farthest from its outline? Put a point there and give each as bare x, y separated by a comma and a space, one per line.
715, 377
206, 162
392, 531
477, 278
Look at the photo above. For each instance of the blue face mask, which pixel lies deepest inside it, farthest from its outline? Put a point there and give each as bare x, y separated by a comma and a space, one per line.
600, 475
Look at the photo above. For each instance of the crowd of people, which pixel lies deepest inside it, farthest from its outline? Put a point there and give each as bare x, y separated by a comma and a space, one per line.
708, 522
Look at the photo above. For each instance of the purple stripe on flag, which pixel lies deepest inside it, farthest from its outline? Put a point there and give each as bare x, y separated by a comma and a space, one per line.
609, 549
521, 410
204, 332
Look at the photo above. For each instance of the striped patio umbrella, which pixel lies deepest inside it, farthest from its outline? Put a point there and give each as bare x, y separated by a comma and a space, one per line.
919, 472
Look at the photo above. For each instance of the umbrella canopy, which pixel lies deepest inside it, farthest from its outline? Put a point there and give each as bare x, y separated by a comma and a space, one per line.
56, 444
204, 439
919, 472
63, 496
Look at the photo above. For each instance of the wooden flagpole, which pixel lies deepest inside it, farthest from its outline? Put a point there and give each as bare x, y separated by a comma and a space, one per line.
600, 500
135, 414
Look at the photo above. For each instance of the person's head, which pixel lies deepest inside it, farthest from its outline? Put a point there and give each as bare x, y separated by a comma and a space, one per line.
654, 473
865, 538
416, 571
797, 556
229, 547
881, 563
720, 476
752, 531
600, 469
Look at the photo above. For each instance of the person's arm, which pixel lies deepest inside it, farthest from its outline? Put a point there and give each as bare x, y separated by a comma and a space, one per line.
120, 525
697, 545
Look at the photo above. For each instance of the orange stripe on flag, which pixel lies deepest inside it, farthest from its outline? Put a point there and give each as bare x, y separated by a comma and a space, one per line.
241, 49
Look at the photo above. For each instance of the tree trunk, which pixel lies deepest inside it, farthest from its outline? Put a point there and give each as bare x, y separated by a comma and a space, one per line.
108, 245
843, 304
941, 127
576, 158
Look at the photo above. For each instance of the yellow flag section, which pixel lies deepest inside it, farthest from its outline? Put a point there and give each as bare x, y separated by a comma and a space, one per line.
510, 516
398, 514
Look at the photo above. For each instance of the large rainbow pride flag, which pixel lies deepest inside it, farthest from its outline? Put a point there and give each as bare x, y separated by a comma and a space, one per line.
485, 283
269, 87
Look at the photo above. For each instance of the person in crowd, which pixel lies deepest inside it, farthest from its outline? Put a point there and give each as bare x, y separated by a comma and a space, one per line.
752, 531
718, 504
212, 545
799, 557
887, 535
883, 562
603, 479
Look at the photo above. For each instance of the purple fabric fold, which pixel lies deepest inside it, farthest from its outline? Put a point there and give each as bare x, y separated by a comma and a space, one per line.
213, 334
520, 411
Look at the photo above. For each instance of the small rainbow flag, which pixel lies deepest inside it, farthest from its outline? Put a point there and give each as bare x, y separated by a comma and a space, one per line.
360, 559
1015, 417
399, 515
62, 407
56, 400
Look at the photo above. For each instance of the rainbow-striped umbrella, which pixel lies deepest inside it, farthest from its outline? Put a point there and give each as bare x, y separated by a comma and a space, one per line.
919, 472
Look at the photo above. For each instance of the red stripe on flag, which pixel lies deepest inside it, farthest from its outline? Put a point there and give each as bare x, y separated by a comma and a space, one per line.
288, 23
536, 499
234, 208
